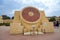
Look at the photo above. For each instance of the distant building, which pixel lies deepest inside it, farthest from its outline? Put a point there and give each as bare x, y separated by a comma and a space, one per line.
57, 18
1, 21
10, 20
7, 21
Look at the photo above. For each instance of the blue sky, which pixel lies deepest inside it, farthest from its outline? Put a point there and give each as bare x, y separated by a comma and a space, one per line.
51, 7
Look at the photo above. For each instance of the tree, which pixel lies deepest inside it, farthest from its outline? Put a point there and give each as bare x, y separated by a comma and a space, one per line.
13, 17
4, 17
59, 19
52, 19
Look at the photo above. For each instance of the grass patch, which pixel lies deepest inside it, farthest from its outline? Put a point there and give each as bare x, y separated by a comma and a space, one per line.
6, 24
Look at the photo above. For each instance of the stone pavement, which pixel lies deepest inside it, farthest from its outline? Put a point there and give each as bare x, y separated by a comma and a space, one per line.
4, 35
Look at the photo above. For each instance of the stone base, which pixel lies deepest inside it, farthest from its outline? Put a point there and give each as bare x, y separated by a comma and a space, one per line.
16, 28
48, 27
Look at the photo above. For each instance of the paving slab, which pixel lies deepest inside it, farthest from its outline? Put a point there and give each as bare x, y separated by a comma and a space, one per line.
5, 35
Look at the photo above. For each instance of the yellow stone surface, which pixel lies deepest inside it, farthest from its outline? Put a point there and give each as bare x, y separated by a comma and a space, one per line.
16, 28
17, 17
1, 21
20, 25
48, 27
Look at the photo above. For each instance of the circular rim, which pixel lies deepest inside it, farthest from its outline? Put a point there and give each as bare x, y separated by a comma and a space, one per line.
30, 21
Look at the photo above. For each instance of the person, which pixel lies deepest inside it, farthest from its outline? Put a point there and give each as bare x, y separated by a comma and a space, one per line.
56, 23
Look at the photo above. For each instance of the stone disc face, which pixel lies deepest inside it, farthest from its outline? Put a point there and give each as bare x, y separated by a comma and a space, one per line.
30, 14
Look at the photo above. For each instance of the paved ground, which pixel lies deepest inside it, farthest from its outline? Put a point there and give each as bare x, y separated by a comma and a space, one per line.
4, 35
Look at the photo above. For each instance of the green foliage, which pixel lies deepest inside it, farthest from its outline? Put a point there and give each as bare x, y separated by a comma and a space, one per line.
59, 22
13, 17
1, 24
5, 17
6, 24
52, 19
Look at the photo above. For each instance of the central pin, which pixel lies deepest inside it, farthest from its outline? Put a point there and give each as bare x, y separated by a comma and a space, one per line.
31, 14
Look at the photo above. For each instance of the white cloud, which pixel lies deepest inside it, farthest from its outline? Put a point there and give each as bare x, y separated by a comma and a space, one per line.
51, 4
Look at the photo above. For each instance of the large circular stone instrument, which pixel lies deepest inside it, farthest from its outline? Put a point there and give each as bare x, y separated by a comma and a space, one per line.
30, 14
